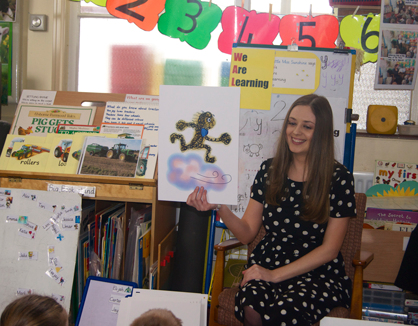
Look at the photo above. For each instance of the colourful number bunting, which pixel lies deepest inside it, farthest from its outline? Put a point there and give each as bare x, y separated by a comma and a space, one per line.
143, 13
191, 21
362, 32
320, 31
100, 3
242, 26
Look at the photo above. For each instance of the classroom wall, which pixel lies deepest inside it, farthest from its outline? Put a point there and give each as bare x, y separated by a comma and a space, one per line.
40, 62
369, 149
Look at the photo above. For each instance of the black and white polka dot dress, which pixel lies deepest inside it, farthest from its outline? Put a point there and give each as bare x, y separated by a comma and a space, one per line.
305, 299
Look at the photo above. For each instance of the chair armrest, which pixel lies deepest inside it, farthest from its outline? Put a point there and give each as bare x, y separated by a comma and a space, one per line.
218, 277
363, 258
360, 262
227, 245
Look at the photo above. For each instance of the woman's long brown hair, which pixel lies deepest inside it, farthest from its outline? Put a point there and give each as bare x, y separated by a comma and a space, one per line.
319, 162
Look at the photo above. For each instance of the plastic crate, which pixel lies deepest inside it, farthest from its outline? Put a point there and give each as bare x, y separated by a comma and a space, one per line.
384, 300
354, 3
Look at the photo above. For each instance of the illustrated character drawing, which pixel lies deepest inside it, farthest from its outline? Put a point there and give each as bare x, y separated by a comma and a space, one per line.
253, 149
201, 123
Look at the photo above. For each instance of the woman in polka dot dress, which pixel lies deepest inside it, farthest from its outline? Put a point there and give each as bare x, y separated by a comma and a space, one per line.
304, 199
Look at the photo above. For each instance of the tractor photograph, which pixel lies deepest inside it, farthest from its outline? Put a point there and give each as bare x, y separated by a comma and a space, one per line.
121, 152
62, 151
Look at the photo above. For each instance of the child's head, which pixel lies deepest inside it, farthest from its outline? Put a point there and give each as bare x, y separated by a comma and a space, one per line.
34, 310
157, 317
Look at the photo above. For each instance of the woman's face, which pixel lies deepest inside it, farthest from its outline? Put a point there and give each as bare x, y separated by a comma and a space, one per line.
300, 129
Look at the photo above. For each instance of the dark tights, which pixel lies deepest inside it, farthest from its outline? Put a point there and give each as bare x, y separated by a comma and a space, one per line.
251, 317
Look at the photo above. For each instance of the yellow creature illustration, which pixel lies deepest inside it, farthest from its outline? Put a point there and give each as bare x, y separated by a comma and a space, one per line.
201, 123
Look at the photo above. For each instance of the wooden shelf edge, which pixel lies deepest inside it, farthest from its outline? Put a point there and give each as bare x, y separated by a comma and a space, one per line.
78, 178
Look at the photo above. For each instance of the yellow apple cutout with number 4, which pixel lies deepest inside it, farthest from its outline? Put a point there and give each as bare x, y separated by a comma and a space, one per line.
362, 32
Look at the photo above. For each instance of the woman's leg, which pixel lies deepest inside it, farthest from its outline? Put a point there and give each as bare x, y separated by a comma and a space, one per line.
251, 317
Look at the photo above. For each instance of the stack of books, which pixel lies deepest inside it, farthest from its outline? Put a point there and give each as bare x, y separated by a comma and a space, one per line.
384, 303
411, 302
390, 219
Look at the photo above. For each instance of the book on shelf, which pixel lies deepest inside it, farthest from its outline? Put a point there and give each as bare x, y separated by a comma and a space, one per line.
391, 215
6, 154
29, 157
413, 318
41, 120
385, 314
153, 271
382, 320
138, 217
381, 286
145, 113
385, 307
59, 154
109, 156
397, 226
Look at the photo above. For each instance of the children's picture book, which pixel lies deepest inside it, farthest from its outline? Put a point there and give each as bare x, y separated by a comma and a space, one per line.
110, 156
74, 156
7, 149
40, 120
198, 142
60, 153
29, 157
398, 226
128, 131
392, 215
145, 113
394, 173
73, 129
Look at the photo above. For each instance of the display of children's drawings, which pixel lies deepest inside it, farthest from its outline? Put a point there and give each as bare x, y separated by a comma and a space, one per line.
198, 142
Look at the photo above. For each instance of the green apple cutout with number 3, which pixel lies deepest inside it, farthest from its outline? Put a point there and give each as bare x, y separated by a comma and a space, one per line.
362, 32
191, 21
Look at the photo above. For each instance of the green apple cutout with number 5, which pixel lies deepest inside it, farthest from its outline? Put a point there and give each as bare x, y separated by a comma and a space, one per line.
362, 32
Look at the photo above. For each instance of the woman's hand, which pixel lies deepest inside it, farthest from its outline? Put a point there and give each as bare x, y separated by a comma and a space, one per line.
256, 272
198, 200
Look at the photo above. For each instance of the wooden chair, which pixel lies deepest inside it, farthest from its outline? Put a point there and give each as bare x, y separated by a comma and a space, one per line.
223, 300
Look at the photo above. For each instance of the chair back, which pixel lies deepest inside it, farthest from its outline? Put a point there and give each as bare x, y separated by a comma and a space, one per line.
352, 240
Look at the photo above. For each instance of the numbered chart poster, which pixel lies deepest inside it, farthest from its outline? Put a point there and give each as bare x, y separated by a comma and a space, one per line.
396, 65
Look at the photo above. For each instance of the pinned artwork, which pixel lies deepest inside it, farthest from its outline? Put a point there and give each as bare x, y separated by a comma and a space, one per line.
191, 21
144, 14
319, 31
362, 32
250, 27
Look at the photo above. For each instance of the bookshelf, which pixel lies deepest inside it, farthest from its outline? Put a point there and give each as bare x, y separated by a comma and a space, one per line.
131, 191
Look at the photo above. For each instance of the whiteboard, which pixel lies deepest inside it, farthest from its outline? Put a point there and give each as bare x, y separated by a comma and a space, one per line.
259, 129
24, 246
